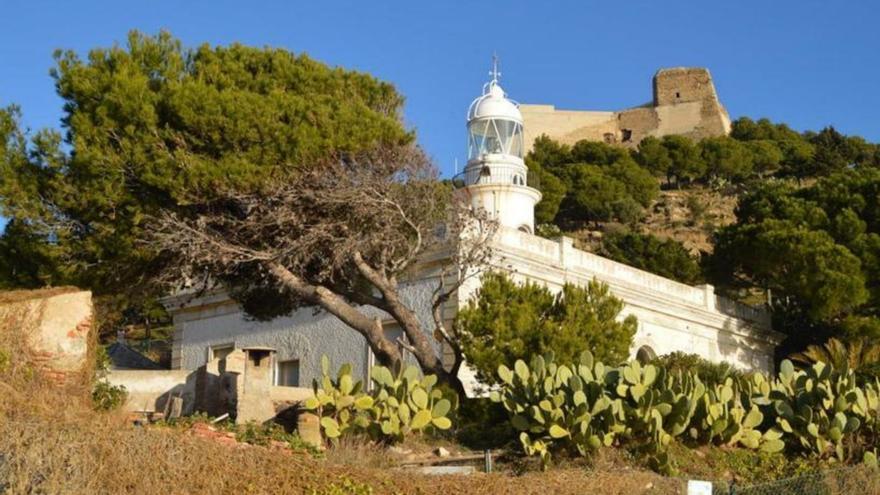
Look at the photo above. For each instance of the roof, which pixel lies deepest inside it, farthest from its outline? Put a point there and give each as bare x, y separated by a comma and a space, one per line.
493, 103
123, 357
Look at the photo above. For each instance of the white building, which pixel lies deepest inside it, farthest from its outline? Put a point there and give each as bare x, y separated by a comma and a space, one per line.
671, 316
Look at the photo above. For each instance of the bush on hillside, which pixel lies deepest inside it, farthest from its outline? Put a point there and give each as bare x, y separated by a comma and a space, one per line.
665, 257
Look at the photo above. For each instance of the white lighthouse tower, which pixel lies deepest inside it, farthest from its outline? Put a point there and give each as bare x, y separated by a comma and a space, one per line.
496, 178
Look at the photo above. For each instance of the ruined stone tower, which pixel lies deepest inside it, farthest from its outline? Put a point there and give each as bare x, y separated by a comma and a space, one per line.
684, 103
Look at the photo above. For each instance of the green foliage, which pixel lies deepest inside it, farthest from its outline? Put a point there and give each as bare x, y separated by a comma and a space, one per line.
797, 152
590, 181
552, 189
766, 156
261, 434
654, 156
548, 231
396, 407
507, 321
265, 433
667, 258
859, 355
726, 158
708, 372
554, 405
152, 125
815, 248
106, 397
345, 486
818, 410
686, 164
579, 407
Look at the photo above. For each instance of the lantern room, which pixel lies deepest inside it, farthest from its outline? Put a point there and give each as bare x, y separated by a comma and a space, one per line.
494, 125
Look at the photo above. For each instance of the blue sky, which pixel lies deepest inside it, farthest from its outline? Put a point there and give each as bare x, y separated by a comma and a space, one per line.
807, 63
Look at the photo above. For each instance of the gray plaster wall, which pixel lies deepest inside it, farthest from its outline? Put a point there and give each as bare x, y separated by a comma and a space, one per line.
306, 334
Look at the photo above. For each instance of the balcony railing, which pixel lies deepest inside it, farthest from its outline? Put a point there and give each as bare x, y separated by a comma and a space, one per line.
495, 175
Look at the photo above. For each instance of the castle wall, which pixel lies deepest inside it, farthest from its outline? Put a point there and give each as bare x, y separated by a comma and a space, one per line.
566, 126
684, 103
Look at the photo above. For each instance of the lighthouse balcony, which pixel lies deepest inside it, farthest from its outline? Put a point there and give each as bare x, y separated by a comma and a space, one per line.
486, 175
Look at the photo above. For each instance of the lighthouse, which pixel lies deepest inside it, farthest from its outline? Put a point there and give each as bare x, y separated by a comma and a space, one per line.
496, 177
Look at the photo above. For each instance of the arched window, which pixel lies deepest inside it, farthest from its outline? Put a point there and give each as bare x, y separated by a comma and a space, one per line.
645, 354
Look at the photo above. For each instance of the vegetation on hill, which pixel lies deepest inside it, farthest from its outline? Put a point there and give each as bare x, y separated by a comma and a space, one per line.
804, 234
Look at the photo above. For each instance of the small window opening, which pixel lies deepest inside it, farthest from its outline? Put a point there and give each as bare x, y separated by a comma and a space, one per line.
627, 135
677, 94
288, 373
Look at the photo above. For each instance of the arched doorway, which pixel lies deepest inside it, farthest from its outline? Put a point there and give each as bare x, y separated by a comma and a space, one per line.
645, 354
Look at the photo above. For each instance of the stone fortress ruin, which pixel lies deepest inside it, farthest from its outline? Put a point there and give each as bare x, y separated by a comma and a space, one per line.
685, 103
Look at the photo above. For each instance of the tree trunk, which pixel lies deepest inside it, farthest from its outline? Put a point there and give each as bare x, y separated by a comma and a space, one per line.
386, 351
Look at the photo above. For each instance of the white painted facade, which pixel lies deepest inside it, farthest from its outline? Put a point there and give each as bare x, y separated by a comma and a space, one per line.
672, 316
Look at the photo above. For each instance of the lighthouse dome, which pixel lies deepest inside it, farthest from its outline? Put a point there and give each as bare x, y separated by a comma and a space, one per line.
493, 103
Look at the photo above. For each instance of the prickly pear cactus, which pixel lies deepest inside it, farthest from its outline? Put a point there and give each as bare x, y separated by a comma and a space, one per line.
559, 407
407, 403
396, 407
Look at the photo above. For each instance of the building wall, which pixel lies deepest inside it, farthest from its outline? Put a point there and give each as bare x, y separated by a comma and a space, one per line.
684, 103
672, 316
305, 335
149, 390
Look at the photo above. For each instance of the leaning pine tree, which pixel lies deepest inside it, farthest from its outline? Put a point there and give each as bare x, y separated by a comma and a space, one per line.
269, 175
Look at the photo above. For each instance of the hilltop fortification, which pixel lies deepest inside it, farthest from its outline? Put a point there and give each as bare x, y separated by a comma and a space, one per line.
684, 103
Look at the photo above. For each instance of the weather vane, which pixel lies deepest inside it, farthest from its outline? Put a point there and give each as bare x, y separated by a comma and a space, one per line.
495, 74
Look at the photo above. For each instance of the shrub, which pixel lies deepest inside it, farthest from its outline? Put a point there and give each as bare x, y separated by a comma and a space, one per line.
507, 321
106, 397
667, 258
708, 372
696, 207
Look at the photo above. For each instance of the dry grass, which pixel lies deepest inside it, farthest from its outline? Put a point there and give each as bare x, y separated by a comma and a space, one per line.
51, 441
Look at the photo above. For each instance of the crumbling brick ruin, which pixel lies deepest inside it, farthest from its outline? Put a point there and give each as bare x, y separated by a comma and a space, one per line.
57, 323
684, 103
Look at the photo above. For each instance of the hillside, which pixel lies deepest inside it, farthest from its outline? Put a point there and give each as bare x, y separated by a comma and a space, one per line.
688, 215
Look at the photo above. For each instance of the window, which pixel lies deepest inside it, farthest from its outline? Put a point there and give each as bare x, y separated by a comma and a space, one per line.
220, 351
627, 135
287, 374
677, 94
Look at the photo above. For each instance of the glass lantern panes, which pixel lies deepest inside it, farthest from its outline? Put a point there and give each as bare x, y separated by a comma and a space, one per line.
494, 136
